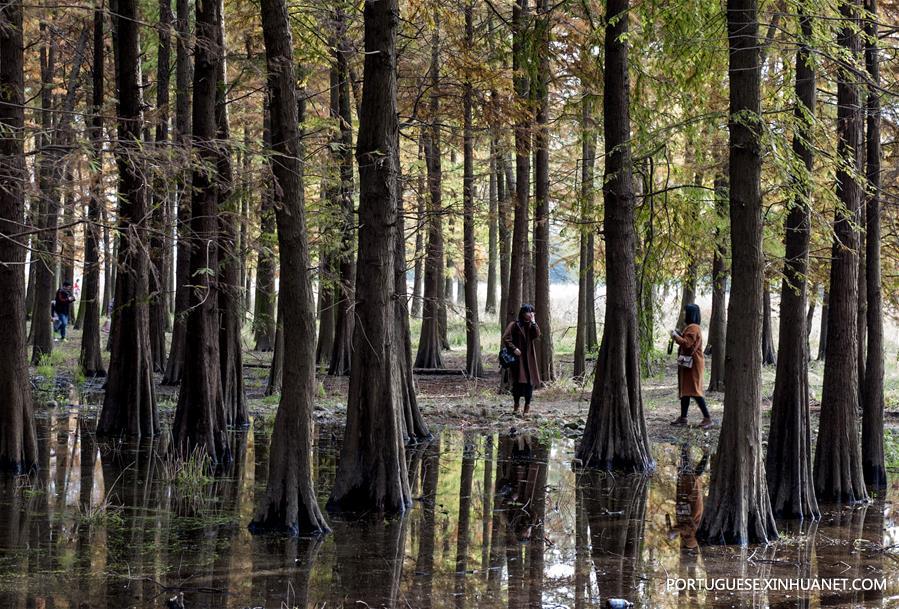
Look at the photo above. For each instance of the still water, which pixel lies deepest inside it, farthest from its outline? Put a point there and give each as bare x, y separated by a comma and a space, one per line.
498, 521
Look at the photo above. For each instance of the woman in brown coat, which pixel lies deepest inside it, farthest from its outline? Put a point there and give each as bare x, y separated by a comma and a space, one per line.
520, 338
690, 366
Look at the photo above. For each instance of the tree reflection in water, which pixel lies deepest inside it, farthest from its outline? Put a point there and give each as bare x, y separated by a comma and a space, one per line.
498, 521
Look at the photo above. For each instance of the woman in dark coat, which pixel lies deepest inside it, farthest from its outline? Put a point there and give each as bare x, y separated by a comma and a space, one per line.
520, 338
690, 377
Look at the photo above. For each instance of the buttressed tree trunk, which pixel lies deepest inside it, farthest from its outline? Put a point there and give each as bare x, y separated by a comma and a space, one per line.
838, 457
584, 289
414, 427
289, 502
91, 358
175, 362
615, 433
230, 301
789, 457
345, 304
45, 208
872, 406
738, 509
429, 344
158, 240
541, 196
18, 439
200, 419
371, 474
418, 280
473, 365
519, 256
718, 320
129, 403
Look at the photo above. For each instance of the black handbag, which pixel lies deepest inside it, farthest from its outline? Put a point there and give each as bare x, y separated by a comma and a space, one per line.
506, 358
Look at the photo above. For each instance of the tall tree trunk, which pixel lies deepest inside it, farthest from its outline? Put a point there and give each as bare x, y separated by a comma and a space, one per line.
615, 433
738, 509
838, 457
276, 370
289, 503
229, 293
415, 429
175, 363
789, 457
429, 342
718, 320
51, 175
542, 301
18, 439
264, 313
371, 475
592, 341
810, 315
769, 356
326, 306
158, 241
492, 219
341, 352
244, 217
129, 403
91, 360
822, 334
584, 290
504, 194
520, 70
872, 404
200, 419
46, 209
67, 234
418, 278
473, 365
109, 249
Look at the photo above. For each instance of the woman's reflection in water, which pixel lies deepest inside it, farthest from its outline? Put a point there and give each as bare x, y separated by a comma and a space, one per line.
521, 501
687, 515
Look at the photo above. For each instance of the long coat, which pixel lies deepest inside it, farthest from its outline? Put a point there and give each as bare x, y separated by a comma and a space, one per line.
518, 336
690, 380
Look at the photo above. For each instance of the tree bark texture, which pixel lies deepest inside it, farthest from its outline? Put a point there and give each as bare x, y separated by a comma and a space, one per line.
738, 510
200, 418
18, 439
371, 474
91, 357
873, 401
615, 434
289, 503
429, 342
129, 402
789, 457
838, 457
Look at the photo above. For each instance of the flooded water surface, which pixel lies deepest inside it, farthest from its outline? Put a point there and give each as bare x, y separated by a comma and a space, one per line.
498, 521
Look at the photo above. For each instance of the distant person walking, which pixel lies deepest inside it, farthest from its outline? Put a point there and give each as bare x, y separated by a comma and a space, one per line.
690, 366
62, 308
520, 338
